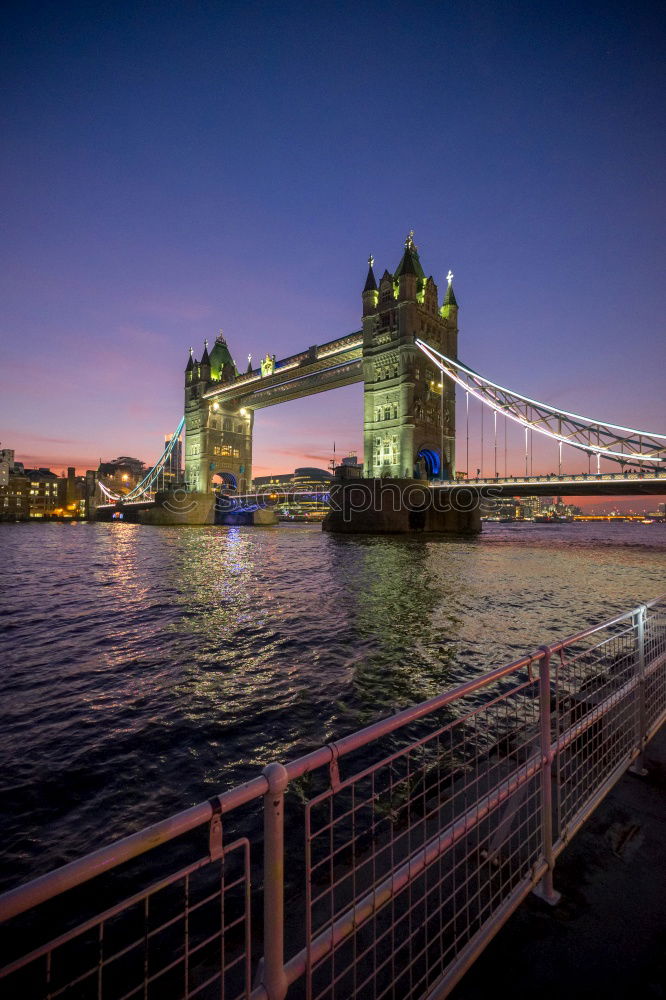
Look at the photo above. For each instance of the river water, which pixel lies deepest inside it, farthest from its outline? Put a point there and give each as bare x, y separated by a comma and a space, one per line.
145, 669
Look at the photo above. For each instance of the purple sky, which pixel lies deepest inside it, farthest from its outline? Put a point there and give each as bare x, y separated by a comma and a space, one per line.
173, 168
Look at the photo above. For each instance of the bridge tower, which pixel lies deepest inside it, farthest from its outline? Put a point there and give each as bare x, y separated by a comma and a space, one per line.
218, 435
403, 431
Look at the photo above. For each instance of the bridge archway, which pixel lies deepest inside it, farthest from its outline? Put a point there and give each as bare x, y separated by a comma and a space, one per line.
224, 481
429, 458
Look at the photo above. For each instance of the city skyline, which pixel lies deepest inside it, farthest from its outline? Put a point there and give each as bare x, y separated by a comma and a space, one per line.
158, 191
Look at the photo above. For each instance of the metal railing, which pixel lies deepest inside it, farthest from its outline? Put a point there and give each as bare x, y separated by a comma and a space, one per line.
400, 849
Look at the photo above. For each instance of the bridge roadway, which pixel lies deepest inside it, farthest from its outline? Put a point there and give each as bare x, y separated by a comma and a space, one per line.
591, 485
583, 485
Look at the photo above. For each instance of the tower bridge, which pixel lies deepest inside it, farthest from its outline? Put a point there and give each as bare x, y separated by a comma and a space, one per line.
407, 418
406, 356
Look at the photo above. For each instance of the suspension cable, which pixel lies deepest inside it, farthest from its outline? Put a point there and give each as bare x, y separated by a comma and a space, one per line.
541, 416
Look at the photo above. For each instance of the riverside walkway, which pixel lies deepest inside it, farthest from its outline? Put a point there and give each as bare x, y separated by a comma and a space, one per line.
383, 864
607, 936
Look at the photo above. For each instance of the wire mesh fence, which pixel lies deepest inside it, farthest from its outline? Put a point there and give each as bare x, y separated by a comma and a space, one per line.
186, 935
402, 850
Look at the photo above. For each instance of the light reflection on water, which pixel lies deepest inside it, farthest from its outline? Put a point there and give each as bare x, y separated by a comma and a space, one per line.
146, 668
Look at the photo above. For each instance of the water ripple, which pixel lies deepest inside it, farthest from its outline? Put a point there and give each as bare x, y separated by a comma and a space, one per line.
146, 668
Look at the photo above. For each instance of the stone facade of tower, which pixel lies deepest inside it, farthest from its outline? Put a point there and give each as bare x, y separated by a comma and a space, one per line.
218, 436
402, 398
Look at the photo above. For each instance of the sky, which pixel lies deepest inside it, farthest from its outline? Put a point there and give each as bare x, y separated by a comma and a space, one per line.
172, 169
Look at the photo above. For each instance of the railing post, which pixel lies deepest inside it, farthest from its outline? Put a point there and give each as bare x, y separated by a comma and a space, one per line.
545, 888
273, 976
638, 766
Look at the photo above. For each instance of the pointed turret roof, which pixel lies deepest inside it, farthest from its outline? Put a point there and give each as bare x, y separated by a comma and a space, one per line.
205, 358
370, 283
190, 361
220, 357
410, 263
449, 298
221, 353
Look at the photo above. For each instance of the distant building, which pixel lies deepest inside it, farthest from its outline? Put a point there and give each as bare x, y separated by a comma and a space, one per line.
121, 474
311, 478
561, 509
47, 493
305, 493
6, 465
281, 479
505, 509
80, 491
14, 489
531, 507
33, 494
349, 468
304, 477
30, 493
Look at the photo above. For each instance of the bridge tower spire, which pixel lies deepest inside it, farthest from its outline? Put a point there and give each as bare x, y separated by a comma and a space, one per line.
204, 364
409, 429
370, 292
449, 310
